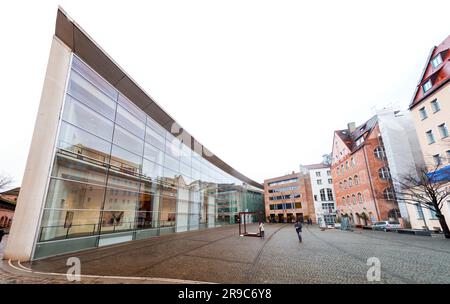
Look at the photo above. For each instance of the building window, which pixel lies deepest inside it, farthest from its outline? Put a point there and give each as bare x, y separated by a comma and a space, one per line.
430, 137
427, 86
419, 212
384, 173
330, 194
350, 182
343, 200
437, 159
298, 205
388, 194
356, 180
348, 200
329, 172
352, 160
318, 173
436, 61
423, 113
359, 141
322, 195
346, 165
319, 182
345, 184
379, 152
433, 215
340, 185
354, 199
435, 106
443, 130
330, 181
360, 198
315, 197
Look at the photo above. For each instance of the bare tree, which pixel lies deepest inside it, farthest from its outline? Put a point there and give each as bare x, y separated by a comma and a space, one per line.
426, 189
5, 181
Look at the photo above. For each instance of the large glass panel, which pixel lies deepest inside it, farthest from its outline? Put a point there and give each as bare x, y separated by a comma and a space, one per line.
186, 155
88, 94
173, 146
64, 194
93, 77
132, 108
167, 211
154, 154
128, 141
154, 139
83, 145
62, 224
171, 163
124, 161
117, 220
156, 127
152, 170
69, 167
123, 181
185, 169
130, 122
120, 199
79, 115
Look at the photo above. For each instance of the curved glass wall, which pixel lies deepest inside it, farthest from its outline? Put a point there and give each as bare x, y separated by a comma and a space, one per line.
118, 175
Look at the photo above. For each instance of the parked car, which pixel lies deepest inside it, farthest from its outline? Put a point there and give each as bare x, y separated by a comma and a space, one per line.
386, 225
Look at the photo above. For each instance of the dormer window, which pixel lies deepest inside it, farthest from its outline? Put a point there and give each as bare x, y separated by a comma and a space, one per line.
427, 85
359, 141
436, 61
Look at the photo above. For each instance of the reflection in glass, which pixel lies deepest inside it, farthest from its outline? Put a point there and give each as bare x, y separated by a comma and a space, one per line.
120, 199
124, 161
63, 224
94, 78
130, 122
154, 139
128, 141
83, 145
117, 170
63, 194
117, 221
89, 95
154, 154
85, 118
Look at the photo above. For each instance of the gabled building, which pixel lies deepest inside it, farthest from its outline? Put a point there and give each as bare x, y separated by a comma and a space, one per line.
367, 162
430, 109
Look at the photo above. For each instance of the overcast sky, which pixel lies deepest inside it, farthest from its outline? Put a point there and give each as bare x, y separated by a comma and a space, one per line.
262, 84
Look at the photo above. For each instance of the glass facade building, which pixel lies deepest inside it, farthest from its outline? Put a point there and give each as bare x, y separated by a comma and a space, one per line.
117, 175
108, 165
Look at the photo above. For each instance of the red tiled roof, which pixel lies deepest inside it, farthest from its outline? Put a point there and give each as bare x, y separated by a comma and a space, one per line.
439, 75
349, 138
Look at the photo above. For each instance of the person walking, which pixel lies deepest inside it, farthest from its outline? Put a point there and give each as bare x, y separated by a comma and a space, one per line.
298, 229
261, 229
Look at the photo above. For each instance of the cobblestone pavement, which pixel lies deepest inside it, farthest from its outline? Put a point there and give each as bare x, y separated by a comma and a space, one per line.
219, 255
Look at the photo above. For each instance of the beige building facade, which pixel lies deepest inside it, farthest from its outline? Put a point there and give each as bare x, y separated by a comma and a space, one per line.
430, 109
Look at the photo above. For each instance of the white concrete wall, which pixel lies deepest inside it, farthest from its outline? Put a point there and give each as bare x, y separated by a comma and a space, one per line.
40, 156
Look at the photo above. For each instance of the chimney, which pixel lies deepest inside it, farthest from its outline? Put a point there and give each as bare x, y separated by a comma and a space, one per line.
326, 159
351, 126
